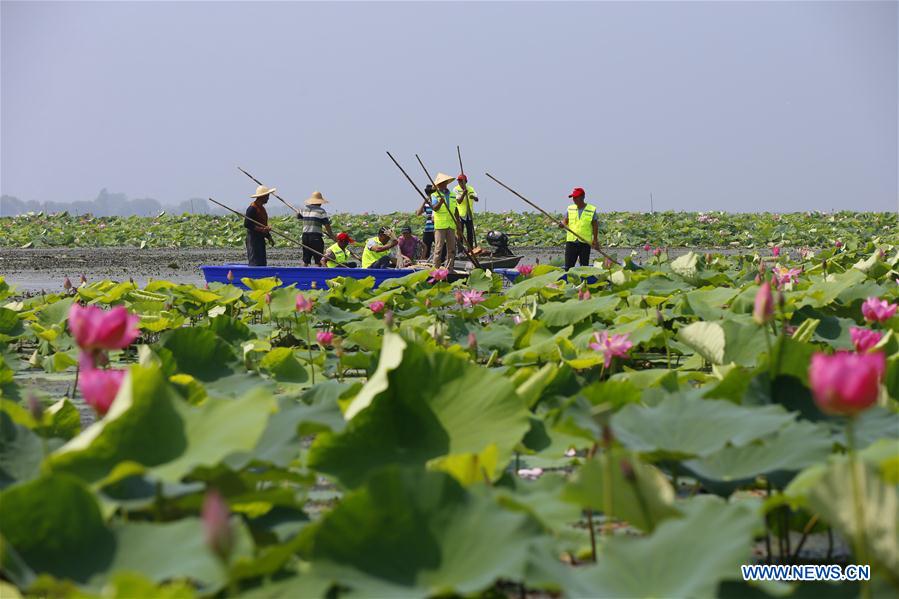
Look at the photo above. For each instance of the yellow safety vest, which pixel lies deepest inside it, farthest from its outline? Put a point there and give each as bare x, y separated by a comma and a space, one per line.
369, 257
340, 256
464, 206
443, 218
583, 224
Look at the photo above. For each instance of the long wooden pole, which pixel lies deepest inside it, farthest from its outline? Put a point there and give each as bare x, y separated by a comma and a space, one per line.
279, 233
258, 182
551, 217
465, 198
465, 247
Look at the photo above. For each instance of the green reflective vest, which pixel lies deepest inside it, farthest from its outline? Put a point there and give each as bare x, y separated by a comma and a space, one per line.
443, 218
463, 202
369, 257
582, 225
340, 256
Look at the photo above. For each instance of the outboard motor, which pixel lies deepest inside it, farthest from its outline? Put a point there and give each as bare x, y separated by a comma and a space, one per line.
500, 243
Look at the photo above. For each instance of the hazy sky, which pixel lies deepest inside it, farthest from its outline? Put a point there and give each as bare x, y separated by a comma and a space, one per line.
737, 106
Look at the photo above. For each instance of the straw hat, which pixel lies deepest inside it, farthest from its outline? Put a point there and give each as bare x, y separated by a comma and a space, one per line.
443, 178
316, 199
262, 190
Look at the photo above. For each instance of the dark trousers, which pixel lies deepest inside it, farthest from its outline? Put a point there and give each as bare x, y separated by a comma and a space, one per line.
317, 243
468, 230
255, 249
382, 262
574, 251
427, 239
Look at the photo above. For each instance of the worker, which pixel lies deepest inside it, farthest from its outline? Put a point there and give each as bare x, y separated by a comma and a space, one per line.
408, 243
314, 220
464, 202
445, 222
583, 220
377, 250
427, 237
337, 255
258, 231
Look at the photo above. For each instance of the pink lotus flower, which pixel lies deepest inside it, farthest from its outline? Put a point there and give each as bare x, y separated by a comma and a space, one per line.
785, 275
583, 294
95, 329
878, 310
775, 251
763, 310
838, 244
376, 306
217, 525
438, 274
472, 297
864, 339
525, 270
98, 387
616, 346
324, 337
846, 383
517, 319
647, 247
304, 304
530, 473
657, 252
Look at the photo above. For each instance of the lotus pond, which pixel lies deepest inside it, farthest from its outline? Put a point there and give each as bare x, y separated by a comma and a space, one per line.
625, 431
619, 229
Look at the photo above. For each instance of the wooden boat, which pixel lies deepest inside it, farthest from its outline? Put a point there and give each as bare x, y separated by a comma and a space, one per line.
313, 278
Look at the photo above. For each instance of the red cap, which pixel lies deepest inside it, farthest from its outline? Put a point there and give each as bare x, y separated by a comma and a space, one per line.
462, 177
577, 192
345, 237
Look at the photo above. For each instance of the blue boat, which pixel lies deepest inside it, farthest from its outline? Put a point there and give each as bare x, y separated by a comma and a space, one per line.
313, 278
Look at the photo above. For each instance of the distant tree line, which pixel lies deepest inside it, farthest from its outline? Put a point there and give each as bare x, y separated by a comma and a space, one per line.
113, 204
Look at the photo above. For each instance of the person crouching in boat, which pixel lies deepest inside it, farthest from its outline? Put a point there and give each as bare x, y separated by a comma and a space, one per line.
408, 244
259, 231
377, 252
337, 255
314, 220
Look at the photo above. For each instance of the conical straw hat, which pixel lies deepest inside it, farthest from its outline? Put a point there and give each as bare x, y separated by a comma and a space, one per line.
316, 199
262, 190
443, 178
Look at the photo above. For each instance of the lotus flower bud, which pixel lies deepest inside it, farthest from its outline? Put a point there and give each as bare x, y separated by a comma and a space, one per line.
67, 284
607, 263
458, 295
708, 258
35, 408
217, 525
838, 244
775, 251
324, 337
388, 319
758, 279
83, 280
472, 342
647, 247
268, 299
376, 307
763, 311
657, 252
846, 383
230, 277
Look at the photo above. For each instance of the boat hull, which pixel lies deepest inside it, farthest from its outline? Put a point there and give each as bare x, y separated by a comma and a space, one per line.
490, 262
306, 277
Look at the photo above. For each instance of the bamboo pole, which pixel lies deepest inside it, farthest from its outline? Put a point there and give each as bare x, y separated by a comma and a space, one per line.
551, 217
474, 233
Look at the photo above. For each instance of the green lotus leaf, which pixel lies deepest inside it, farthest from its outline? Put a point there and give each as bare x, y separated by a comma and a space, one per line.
397, 419
682, 426
725, 342
702, 549
533, 283
643, 497
417, 533
200, 353
560, 314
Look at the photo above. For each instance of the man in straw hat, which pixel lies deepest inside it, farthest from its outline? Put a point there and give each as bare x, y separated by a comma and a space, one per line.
258, 233
314, 219
446, 216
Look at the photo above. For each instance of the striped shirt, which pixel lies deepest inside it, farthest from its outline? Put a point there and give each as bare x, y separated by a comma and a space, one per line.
314, 218
429, 218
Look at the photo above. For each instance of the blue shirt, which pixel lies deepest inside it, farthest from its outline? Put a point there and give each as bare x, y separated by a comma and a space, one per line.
429, 218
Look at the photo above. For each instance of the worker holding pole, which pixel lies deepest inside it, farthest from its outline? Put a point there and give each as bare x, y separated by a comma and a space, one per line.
256, 223
581, 221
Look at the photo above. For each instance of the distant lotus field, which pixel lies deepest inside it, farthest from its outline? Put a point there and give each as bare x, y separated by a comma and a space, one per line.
618, 229
623, 431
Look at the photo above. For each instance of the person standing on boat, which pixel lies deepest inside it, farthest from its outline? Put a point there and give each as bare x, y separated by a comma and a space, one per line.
377, 252
583, 220
258, 233
427, 239
445, 215
337, 255
464, 202
314, 220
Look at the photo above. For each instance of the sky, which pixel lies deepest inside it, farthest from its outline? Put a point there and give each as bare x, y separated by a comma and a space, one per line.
769, 106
